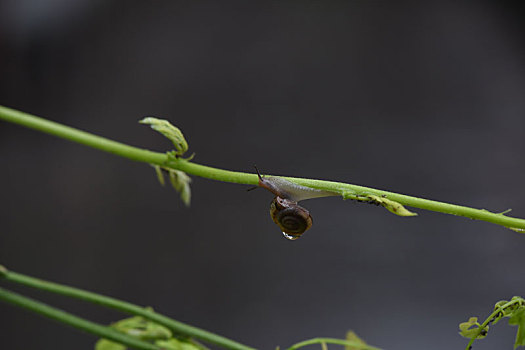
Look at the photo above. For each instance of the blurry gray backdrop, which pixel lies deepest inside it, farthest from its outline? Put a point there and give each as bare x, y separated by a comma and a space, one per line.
426, 99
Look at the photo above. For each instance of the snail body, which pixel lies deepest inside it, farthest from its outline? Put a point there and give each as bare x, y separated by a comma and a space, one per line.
292, 219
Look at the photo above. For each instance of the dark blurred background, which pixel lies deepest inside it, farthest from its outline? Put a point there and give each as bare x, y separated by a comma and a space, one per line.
426, 99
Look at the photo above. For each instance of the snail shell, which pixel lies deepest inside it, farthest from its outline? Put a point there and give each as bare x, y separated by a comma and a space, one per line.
292, 219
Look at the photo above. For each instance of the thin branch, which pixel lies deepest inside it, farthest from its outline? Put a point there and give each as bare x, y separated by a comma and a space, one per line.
353, 344
162, 159
74, 321
489, 319
176, 326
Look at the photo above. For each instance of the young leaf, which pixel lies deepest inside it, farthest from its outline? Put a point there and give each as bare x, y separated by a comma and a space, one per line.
390, 205
141, 328
504, 312
500, 304
470, 329
104, 344
518, 319
160, 174
137, 327
349, 195
181, 183
168, 130
351, 336
176, 344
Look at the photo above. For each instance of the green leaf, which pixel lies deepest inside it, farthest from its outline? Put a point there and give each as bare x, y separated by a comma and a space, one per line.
168, 130
390, 205
349, 195
351, 336
104, 344
171, 344
518, 319
141, 328
176, 344
160, 174
500, 304
180, 181
502, 312
518, 299
470, 329
516, 303
137, 327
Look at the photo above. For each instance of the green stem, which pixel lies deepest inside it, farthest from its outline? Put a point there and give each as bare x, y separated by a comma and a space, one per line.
175, 326
488, 319
72, 320
161, 159
353, 344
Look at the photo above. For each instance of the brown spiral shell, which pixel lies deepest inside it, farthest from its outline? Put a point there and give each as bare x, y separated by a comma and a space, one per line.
291, 218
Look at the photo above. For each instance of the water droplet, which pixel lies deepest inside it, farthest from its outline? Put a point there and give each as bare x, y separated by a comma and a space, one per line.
517, 229
291, 237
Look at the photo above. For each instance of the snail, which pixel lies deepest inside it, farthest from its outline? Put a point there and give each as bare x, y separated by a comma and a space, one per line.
292, 219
